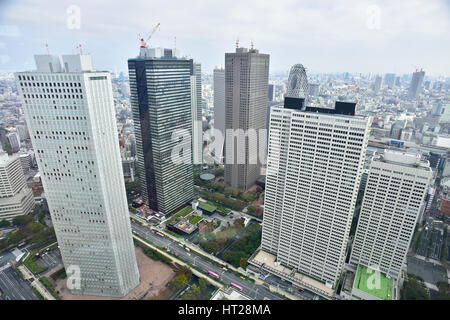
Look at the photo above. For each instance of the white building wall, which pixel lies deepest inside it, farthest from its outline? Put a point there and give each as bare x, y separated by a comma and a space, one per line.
392, 203
73, 130
314, 166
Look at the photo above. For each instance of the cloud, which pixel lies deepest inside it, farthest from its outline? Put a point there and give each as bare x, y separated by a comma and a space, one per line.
292, 31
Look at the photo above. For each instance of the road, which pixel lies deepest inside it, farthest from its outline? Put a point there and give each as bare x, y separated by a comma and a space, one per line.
13, 287
252, 290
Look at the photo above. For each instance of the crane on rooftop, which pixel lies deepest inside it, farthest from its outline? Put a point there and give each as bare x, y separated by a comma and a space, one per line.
143, 43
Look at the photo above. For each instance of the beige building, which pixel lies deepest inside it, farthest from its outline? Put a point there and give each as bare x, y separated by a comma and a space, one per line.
246, 87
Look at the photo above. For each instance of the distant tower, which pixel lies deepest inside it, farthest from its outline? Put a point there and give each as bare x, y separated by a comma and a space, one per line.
416, 84
298, 83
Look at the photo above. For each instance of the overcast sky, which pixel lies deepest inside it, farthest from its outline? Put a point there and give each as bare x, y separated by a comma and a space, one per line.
324, 35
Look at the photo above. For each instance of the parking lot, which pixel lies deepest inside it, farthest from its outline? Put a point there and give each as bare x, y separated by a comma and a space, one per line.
49, 259
13, 287
428, 271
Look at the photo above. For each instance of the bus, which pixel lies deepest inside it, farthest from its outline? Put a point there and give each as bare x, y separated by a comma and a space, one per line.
236, 286
213, 274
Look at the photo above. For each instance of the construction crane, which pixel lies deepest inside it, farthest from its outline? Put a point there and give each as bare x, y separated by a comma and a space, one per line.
143, 43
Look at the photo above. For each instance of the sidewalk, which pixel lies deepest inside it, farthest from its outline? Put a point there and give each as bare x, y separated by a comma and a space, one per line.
36, 283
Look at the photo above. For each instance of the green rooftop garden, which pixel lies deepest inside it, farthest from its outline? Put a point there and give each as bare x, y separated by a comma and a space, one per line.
362, 280
207, 207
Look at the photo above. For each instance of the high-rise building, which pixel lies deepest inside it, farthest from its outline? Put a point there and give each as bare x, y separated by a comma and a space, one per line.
160, 83
389, 80
377, 84
314, 165
219, 103
22, 131
271, 92
26, 161
394, 195
196, 111
246, 82
70, 112
14, 141
15, 197
415, 87
298, 86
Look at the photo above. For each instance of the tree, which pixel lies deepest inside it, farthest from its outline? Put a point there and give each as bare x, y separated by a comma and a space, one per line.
202, 283
5, 223
196, 289
251, 209
413, 290
180, 281
243, 262
22, 220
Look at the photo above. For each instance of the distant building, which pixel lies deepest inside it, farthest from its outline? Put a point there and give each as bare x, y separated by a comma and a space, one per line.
26, 162
271, 92
377, 84
15, 197
389, 80
246, 82
196, 111
22, 131
14, 141
415, 87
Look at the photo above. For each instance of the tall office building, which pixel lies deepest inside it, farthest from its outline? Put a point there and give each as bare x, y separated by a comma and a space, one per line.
389, 80
22, 131
377, 84
415, 88
14, 141
70, 112
314, 166
15, 197
160, 83
196, 111
246, 87
271, 92
219, 103
394, 194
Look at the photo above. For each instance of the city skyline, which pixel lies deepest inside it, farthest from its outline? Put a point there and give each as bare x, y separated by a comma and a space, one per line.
364, 37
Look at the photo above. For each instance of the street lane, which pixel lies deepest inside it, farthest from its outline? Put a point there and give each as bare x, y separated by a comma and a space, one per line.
252, 290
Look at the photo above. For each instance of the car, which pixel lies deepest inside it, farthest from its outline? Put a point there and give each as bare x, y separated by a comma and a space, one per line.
243, 278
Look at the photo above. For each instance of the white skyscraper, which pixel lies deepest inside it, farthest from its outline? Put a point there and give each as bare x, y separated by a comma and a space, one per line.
395, 192
70, 113
314, 166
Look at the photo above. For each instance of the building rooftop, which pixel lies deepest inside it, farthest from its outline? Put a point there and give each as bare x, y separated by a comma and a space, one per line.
384, 292
207, 207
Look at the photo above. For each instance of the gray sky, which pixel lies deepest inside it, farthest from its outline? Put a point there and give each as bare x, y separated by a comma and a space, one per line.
324, 35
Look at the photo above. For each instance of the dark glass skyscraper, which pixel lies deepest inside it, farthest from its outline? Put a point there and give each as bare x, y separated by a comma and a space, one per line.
416, 84
160, 85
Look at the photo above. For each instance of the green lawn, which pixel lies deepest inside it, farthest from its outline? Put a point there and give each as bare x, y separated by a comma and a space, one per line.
207, 207
195, 219
183, 212
362, 282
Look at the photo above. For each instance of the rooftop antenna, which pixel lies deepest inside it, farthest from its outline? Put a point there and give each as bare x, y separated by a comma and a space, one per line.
46, 47
237, 43
251, 45
81, 49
